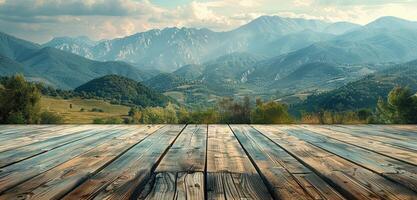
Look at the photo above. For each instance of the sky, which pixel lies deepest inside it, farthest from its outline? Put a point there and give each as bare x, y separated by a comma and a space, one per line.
41, 20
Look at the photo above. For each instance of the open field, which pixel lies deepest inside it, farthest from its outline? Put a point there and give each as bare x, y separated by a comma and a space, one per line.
74, 115
208, 162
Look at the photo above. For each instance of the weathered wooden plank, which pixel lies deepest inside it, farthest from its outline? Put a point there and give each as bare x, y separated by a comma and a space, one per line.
121, 178
15, 174
163, 187
405, 173
56, 182
409, 128
17, 129
279, 168
15, 155
377, 136
394, 152
172, 185
187, 154
351, 180
409, 132
25, 131
190, 185
230, 173
33, 137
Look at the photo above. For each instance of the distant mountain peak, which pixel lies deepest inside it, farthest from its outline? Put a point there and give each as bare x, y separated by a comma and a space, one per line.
390, 22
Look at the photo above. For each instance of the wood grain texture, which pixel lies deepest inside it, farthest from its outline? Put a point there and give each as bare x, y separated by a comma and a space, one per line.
185, 161
15, 155
279, 168
373, 135
36, 136
404, 173
122, 178
350, 179
231, 174
54, 183
208, 162
394, 152
173, 185
188, 153
17, 173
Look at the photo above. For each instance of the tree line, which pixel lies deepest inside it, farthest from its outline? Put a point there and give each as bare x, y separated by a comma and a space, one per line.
20, 104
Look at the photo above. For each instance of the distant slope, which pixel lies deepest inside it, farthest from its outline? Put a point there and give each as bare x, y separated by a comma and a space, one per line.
171, 48
363, 93
56, 67
123, 90
310, 76
221, 75
382, 41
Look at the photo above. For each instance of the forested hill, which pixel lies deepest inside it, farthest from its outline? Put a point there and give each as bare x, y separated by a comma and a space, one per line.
365, 92
123, 90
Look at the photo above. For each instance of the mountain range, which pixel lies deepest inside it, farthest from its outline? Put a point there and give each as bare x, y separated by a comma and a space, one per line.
271, 57
55, 67
170, 48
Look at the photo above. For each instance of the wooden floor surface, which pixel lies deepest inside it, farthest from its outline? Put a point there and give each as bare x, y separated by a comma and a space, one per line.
208, 162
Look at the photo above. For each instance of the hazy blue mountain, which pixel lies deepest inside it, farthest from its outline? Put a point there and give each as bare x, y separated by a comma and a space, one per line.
15, 48
56, 67
190, 72
339, 28
222, 75
311, 76
171, 48
369, 44
390, 22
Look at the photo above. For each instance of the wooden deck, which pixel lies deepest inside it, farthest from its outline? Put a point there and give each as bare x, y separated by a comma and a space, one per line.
208, 162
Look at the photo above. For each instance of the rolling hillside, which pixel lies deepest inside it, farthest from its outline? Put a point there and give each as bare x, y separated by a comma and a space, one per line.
123, 91
365, 92
55, 67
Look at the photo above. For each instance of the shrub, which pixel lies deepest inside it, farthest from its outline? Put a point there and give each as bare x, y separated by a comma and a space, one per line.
270, 113
98, 121
51, 118
114, 120
97, 110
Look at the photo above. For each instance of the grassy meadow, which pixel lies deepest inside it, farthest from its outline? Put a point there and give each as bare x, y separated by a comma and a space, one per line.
75, 115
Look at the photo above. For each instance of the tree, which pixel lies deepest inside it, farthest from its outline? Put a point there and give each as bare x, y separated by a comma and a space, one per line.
270, 113
19, 101
401, 107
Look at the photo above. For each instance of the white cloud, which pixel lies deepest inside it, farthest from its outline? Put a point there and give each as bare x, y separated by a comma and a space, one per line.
40, 20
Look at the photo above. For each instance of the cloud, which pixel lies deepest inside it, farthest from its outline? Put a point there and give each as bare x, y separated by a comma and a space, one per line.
30, 8
40, 20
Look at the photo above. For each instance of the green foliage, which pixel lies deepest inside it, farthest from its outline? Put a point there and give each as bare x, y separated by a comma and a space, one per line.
97, 110
234, 112
332, 117
19, 101
51, 118
400, 107
363, 93
121, 90
98, 121
114, 120
110, 120
209, 116
155, 115
270, 113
